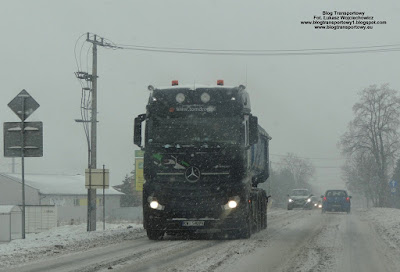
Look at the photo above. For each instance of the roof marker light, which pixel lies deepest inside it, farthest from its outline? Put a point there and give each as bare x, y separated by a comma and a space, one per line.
220, 82
174, 82
180, 97
205, 97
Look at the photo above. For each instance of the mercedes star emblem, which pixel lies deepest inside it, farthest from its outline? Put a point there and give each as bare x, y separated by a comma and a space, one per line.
192, 174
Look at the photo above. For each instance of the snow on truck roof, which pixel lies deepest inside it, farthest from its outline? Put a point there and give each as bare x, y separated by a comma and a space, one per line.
194, 87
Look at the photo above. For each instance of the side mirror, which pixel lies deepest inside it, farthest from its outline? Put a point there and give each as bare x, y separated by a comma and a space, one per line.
253, 129
137, 134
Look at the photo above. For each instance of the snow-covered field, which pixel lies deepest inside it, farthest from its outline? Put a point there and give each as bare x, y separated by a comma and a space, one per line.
65, 239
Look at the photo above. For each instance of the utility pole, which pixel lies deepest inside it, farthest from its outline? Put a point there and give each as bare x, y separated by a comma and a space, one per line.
92, 146
93, 134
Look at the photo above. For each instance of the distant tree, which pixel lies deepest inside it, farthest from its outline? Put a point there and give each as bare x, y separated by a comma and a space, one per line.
361, 177
396, 177
396, 173
301, 169
130, 198
373, 135
290, 173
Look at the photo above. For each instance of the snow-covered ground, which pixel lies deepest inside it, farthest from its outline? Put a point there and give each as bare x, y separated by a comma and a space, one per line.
65, 239
387, 224
317, 254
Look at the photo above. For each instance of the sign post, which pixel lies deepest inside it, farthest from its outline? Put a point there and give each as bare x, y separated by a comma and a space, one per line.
393, 190
29, 142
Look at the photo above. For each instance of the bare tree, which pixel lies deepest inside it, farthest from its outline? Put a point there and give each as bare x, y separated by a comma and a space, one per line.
292, 172
301, 169
360, 174
374, 132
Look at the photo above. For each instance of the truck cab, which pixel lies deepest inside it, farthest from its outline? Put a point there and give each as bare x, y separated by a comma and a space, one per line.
204, 155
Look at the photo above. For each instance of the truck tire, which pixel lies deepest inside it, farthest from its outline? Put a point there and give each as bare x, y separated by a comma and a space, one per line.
258, 222
245, 232
264, 215
155, 234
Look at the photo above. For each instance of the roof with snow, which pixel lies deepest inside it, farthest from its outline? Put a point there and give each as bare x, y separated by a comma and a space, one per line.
7, 209
58, 184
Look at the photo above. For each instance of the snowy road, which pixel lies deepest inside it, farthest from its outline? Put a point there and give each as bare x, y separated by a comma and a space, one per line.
294, 241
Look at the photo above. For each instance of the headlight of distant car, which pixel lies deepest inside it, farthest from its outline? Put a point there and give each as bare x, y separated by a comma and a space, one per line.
309, 200
319, 205
290, 200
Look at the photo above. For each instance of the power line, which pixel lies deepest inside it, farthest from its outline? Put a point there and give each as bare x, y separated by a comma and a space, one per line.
281, 155
249, 52
314, 51
256, 50
319, 167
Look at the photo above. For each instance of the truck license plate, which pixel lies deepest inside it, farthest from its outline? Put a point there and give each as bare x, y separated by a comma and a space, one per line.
192, 223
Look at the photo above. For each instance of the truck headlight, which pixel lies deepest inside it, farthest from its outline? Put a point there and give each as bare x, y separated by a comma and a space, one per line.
153, 203
232, 203
309, 200
290, 200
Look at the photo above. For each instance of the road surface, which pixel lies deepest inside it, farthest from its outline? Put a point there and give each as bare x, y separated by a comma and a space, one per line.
297, 240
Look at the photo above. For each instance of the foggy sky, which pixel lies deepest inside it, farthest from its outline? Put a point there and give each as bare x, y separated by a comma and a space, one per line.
304, 102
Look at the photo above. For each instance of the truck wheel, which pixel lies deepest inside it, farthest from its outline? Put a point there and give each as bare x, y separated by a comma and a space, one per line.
264, 217
155, 234
259, 218
245, 233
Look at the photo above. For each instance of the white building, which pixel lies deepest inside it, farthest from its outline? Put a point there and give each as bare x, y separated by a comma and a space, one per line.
68, 193
11, 191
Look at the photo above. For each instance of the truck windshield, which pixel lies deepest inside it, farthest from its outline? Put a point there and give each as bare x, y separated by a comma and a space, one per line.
194, 130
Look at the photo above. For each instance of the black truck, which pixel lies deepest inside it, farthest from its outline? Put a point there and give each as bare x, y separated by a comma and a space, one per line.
204, 155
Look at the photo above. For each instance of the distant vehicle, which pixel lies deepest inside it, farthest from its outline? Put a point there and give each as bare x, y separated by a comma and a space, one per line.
336, 201
319, 204
300, 198
314, 202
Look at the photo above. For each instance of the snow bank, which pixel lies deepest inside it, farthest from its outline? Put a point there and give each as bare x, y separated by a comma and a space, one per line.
386, 222
65, 239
